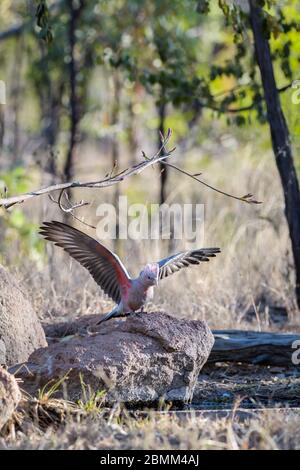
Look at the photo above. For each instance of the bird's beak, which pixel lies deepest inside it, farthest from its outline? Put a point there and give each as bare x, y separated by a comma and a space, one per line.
156, 282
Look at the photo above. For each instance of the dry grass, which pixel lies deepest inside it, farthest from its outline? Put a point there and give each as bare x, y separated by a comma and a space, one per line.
120, 430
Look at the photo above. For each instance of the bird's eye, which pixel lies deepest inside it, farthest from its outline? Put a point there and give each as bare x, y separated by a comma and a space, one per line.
149, 277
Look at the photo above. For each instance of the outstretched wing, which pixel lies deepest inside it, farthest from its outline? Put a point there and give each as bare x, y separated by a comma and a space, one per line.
105, 266
174, 263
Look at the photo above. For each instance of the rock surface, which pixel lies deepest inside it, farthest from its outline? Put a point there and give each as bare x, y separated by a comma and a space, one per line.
146, 357
10, 396
20, 330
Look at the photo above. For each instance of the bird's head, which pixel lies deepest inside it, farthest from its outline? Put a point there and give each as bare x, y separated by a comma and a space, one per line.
149, 275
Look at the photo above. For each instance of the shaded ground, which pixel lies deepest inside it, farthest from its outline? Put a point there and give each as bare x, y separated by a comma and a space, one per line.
224, 385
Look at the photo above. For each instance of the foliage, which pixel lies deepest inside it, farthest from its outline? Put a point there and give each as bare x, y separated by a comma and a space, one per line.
90, 402
281, 26
196, 57
51, 388
20, 230
170, 68
178, 67
42, 21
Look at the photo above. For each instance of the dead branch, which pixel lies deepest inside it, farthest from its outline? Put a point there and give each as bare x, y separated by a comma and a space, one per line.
224, 110
71, 206
109, 180
249, 198
254, 347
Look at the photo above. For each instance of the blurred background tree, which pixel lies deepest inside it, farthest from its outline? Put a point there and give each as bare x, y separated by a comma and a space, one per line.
266, 19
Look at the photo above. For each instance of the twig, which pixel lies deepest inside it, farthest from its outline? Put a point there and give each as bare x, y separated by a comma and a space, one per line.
247, 198
71, 208
249, 107
110, 180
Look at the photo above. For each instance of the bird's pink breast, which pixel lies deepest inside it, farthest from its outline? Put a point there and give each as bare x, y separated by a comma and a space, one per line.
135, 297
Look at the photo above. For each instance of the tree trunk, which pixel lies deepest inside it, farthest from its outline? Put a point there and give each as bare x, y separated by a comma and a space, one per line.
16, 99
74, 12
115, 150
50, 96
2, 130
131, 130
280, 137
162, 168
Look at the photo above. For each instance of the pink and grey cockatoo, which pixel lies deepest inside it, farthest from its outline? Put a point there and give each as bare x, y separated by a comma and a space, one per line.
109, 272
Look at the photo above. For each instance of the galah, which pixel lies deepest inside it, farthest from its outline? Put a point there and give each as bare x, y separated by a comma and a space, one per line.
130, 294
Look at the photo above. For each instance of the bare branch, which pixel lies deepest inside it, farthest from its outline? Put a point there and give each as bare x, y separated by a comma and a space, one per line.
247, 198
14, 31
71, 208
243, 108
110, 180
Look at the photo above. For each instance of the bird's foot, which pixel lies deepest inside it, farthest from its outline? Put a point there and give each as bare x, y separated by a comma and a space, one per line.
91, 333
142, 310
85, 331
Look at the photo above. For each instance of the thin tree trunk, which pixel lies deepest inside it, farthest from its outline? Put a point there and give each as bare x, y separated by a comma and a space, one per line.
115, 150
131, 129
16, 98
74, 12
2, 130
162, 168
50, 95
280, 137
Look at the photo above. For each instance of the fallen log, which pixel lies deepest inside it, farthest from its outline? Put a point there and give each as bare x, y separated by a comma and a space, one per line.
254, 347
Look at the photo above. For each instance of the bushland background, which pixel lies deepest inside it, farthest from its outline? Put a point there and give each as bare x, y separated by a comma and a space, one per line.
89, 85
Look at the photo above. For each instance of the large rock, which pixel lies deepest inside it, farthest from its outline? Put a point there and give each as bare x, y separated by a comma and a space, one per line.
146, 357
10, 396
20, 330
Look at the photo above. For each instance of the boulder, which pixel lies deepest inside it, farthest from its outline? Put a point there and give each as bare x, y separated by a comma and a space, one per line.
144, 358
20, 330
10, 396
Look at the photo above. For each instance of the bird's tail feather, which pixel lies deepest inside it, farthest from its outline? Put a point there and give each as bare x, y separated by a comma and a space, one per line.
114, 313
